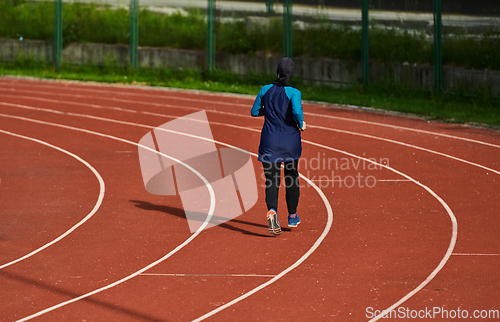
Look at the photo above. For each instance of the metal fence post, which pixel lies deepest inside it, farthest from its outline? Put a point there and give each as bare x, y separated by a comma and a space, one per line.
58, 34
134, 33
438, 49
270, 7
287, 29
210, 37
365, 61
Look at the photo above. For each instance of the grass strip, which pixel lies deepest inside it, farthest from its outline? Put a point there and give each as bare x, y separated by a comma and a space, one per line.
455, 108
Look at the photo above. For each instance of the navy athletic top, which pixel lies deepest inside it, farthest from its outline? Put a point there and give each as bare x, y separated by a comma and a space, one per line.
280, 139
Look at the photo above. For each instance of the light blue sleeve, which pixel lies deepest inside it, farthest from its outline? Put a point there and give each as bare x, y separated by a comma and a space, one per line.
296, 98
257, 108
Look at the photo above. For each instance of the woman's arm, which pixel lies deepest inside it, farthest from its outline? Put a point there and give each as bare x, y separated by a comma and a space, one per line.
298, 114
257, 108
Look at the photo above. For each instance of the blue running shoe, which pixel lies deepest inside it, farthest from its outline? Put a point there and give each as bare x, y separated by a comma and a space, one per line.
273, 223
293, 221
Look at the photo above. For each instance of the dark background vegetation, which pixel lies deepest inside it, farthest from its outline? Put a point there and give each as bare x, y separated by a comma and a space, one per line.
93, 23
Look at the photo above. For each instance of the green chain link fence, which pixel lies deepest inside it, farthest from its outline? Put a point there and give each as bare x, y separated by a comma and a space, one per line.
381, 37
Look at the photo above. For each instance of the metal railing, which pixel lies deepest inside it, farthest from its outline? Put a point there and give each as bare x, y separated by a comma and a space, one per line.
58, 36
134, 33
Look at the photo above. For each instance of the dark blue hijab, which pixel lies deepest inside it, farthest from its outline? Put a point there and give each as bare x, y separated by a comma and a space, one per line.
285, 72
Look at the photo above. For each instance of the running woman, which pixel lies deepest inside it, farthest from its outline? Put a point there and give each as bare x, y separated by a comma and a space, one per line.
280, 142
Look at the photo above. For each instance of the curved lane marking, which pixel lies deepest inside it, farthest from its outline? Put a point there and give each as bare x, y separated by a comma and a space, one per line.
453, 219
407, 145
288, 269
81, 222
404, 128
250, 129
187, 241
246, 106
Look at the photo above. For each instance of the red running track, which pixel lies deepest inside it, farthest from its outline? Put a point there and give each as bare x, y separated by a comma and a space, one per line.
398, 213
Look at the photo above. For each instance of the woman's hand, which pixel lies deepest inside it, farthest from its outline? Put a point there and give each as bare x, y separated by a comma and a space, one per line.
303, 126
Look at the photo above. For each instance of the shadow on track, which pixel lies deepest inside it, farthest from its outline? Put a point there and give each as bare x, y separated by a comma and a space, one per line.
180, 213
51, 288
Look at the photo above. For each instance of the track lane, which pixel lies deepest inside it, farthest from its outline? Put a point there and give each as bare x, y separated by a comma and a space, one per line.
474, 155
243, 101
94, 106
82, 221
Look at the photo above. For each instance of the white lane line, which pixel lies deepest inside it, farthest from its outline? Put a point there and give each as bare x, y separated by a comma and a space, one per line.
82, 104
403, 128
291, 267
163, 105
187, 241
277, 277
105, 98
81, 222
121, 122
407, 145
209, 275
402, 300
137, 94
256, 130
115, 108
465, 254
337, 180
248, 105
453, 219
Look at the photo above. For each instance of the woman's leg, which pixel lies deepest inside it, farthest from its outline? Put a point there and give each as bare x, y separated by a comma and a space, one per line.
272, 171
292, 185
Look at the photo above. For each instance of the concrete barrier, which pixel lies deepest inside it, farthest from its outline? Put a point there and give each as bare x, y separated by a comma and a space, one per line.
313, 70
38, 50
